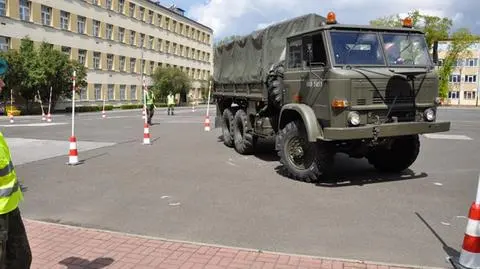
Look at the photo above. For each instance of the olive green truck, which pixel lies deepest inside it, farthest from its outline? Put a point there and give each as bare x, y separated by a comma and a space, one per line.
320, 88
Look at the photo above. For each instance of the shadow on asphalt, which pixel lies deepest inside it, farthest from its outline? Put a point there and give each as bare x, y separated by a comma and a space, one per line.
448, 250
346, 172
75, 262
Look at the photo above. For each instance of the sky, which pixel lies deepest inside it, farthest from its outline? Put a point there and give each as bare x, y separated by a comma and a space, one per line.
240, 17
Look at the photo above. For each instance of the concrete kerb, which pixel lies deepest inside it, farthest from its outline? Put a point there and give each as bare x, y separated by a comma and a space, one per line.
231, 247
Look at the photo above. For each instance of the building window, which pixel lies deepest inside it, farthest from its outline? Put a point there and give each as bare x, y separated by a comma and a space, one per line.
459, 62
123, 93
150, 16
142, 39
121, 6
455, 78
174, 48
83, 94
82, 55
470, 78
96, 28
472, 62
66, 51
132, 37
24, 10
122, 63
4, 43
132, 65
98, 92
469, 95
167, 22
142, 13
81, 24
133, 92
108, 4
159, 44
131, 9
150, 42
110, 61
64, 19
46, 15
111, 92
3, 7
159, 20
453, 95
96, 60
121, 34
109, 31
152, 67
144, 66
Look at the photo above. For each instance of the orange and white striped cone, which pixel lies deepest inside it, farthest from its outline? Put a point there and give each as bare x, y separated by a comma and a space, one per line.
470, 254
11, 118
73, 153
146, 135
207, 124
49, 117
44, 118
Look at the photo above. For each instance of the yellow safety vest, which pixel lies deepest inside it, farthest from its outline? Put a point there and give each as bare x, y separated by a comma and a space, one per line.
10, 192
170, 100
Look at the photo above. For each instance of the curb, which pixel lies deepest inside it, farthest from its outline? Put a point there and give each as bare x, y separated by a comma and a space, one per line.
67, 226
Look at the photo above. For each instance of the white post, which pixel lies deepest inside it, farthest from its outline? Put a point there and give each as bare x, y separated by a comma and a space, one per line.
477, 200
145, 100
11, 101
73, 103
104, 97
208, 99
50, 101
41, 103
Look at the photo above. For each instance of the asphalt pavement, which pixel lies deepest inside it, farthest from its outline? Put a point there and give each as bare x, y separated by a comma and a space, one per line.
188, 186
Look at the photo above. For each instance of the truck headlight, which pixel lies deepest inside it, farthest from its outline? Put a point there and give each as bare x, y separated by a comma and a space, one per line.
429, 114
354, 118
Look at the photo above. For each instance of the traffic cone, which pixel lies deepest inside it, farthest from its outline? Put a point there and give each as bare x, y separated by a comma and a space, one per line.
43, 117
146, 134
207, 124
103, 114
470, 254
49, 117
11, 118
73, 153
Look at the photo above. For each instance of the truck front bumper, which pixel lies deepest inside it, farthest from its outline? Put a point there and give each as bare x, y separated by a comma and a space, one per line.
385, 130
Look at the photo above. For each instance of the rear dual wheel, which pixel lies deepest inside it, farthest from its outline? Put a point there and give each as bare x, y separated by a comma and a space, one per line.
243, 139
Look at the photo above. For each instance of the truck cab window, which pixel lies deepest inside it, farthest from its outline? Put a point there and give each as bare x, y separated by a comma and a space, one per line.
319, 54
295, 54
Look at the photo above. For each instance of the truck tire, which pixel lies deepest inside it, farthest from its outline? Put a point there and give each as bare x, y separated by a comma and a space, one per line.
244, 141
227, 127
275, 86
309, 167
403, 153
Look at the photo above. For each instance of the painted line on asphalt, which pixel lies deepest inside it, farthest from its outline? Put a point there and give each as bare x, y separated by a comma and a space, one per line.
449, 137
33, 124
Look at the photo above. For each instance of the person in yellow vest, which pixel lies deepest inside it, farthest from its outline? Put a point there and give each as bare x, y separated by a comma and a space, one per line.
170, 103
150, 98
14, 246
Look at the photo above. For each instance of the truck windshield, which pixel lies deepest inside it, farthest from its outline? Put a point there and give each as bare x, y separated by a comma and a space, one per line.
360, 48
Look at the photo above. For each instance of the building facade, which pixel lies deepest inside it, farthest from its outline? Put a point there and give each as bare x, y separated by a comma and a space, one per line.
464, 83
119, 41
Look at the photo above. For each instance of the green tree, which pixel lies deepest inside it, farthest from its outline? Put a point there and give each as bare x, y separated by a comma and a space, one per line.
166, 79
461, 40
37, 69
435, 28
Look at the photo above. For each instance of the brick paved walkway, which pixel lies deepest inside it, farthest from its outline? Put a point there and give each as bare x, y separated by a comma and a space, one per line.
59, 246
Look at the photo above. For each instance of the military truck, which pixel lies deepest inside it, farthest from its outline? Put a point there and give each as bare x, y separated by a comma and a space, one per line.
320, 88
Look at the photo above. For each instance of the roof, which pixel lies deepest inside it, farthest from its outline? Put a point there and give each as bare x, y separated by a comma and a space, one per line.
358, 28
157, 3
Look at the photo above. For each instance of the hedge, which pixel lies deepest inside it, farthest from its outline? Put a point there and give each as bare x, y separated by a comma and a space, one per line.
89, 108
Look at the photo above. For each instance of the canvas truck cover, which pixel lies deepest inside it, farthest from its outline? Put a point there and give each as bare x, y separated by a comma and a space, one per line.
249, 58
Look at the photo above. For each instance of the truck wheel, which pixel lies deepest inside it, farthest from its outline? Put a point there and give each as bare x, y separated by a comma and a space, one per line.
303, 160
244, 141
227, 127
402, 153
275, 86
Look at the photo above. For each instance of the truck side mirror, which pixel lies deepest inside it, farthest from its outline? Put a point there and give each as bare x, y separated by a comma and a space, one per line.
435, 52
